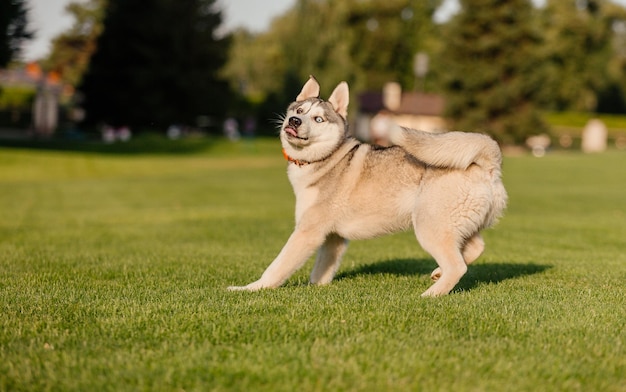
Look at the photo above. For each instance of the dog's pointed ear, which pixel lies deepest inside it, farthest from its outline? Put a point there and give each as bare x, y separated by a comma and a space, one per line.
311, 89
340, 99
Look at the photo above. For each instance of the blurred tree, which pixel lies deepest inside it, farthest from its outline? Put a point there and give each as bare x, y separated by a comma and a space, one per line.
386, 35
366, 43
612, 99
254, 61
491, 64
13, 29
575, 55
307, 39
72, 49
315, 41
157, 63
268, 69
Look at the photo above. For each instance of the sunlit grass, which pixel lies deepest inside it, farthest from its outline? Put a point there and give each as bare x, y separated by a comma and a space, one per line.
113, 269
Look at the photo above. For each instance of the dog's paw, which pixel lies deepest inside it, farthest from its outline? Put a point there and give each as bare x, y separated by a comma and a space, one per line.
236, 288
435, 291
430, 293
254, 286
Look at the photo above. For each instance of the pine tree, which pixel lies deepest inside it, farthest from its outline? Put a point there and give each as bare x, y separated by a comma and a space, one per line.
491, 75
13, 29
156, 64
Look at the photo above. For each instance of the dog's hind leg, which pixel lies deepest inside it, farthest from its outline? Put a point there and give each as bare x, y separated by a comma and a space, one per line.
472, 249
444, 247
328, 259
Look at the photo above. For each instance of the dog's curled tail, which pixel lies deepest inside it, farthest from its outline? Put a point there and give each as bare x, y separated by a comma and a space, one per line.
458, 150
454, 150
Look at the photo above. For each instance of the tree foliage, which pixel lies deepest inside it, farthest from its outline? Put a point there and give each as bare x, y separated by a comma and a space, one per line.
366, 43
579, 55
612, 99
13, 29
496, 62
577, 50
387, 35
491, 69
72, 49
156, 63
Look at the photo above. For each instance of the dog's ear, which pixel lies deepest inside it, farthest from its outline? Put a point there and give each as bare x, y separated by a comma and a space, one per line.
340, 99
311, 89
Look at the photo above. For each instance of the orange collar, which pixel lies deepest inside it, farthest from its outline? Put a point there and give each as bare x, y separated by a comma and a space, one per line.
292, 160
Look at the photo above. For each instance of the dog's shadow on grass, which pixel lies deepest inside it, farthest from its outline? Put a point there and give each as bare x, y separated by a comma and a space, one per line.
476, 275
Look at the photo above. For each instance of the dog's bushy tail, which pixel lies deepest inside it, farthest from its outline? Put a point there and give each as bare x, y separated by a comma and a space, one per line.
454, 150
458, 150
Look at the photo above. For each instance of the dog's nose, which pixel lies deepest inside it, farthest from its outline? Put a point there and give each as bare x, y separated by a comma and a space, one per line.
295, 122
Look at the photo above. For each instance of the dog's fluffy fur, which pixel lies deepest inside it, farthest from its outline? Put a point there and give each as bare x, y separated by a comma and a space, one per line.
446, 186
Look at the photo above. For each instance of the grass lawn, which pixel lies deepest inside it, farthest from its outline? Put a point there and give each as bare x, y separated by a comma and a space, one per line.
114, 268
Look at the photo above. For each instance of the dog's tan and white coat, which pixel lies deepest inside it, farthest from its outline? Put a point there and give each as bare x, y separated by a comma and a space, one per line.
446, 186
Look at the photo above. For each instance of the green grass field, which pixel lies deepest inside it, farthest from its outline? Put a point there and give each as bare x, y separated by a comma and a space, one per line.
114, 268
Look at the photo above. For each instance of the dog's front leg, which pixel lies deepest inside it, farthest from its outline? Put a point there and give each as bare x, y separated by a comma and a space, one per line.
328, 259
299, 247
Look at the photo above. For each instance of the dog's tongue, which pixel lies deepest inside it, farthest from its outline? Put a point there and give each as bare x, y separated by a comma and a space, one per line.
291, 131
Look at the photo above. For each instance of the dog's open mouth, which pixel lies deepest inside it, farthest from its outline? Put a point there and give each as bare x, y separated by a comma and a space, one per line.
290, 131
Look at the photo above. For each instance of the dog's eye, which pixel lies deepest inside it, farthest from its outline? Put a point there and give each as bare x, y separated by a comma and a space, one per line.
299, 111
319, 119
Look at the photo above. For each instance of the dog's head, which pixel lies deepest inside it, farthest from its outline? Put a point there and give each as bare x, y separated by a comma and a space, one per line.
313, 128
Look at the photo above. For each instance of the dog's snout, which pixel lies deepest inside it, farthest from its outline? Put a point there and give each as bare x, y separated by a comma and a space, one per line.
295, 122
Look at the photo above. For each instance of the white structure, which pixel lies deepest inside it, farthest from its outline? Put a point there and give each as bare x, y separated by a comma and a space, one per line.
594, 136
412, 110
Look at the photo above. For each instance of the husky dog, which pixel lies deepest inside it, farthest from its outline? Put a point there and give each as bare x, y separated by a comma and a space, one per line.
446, 186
